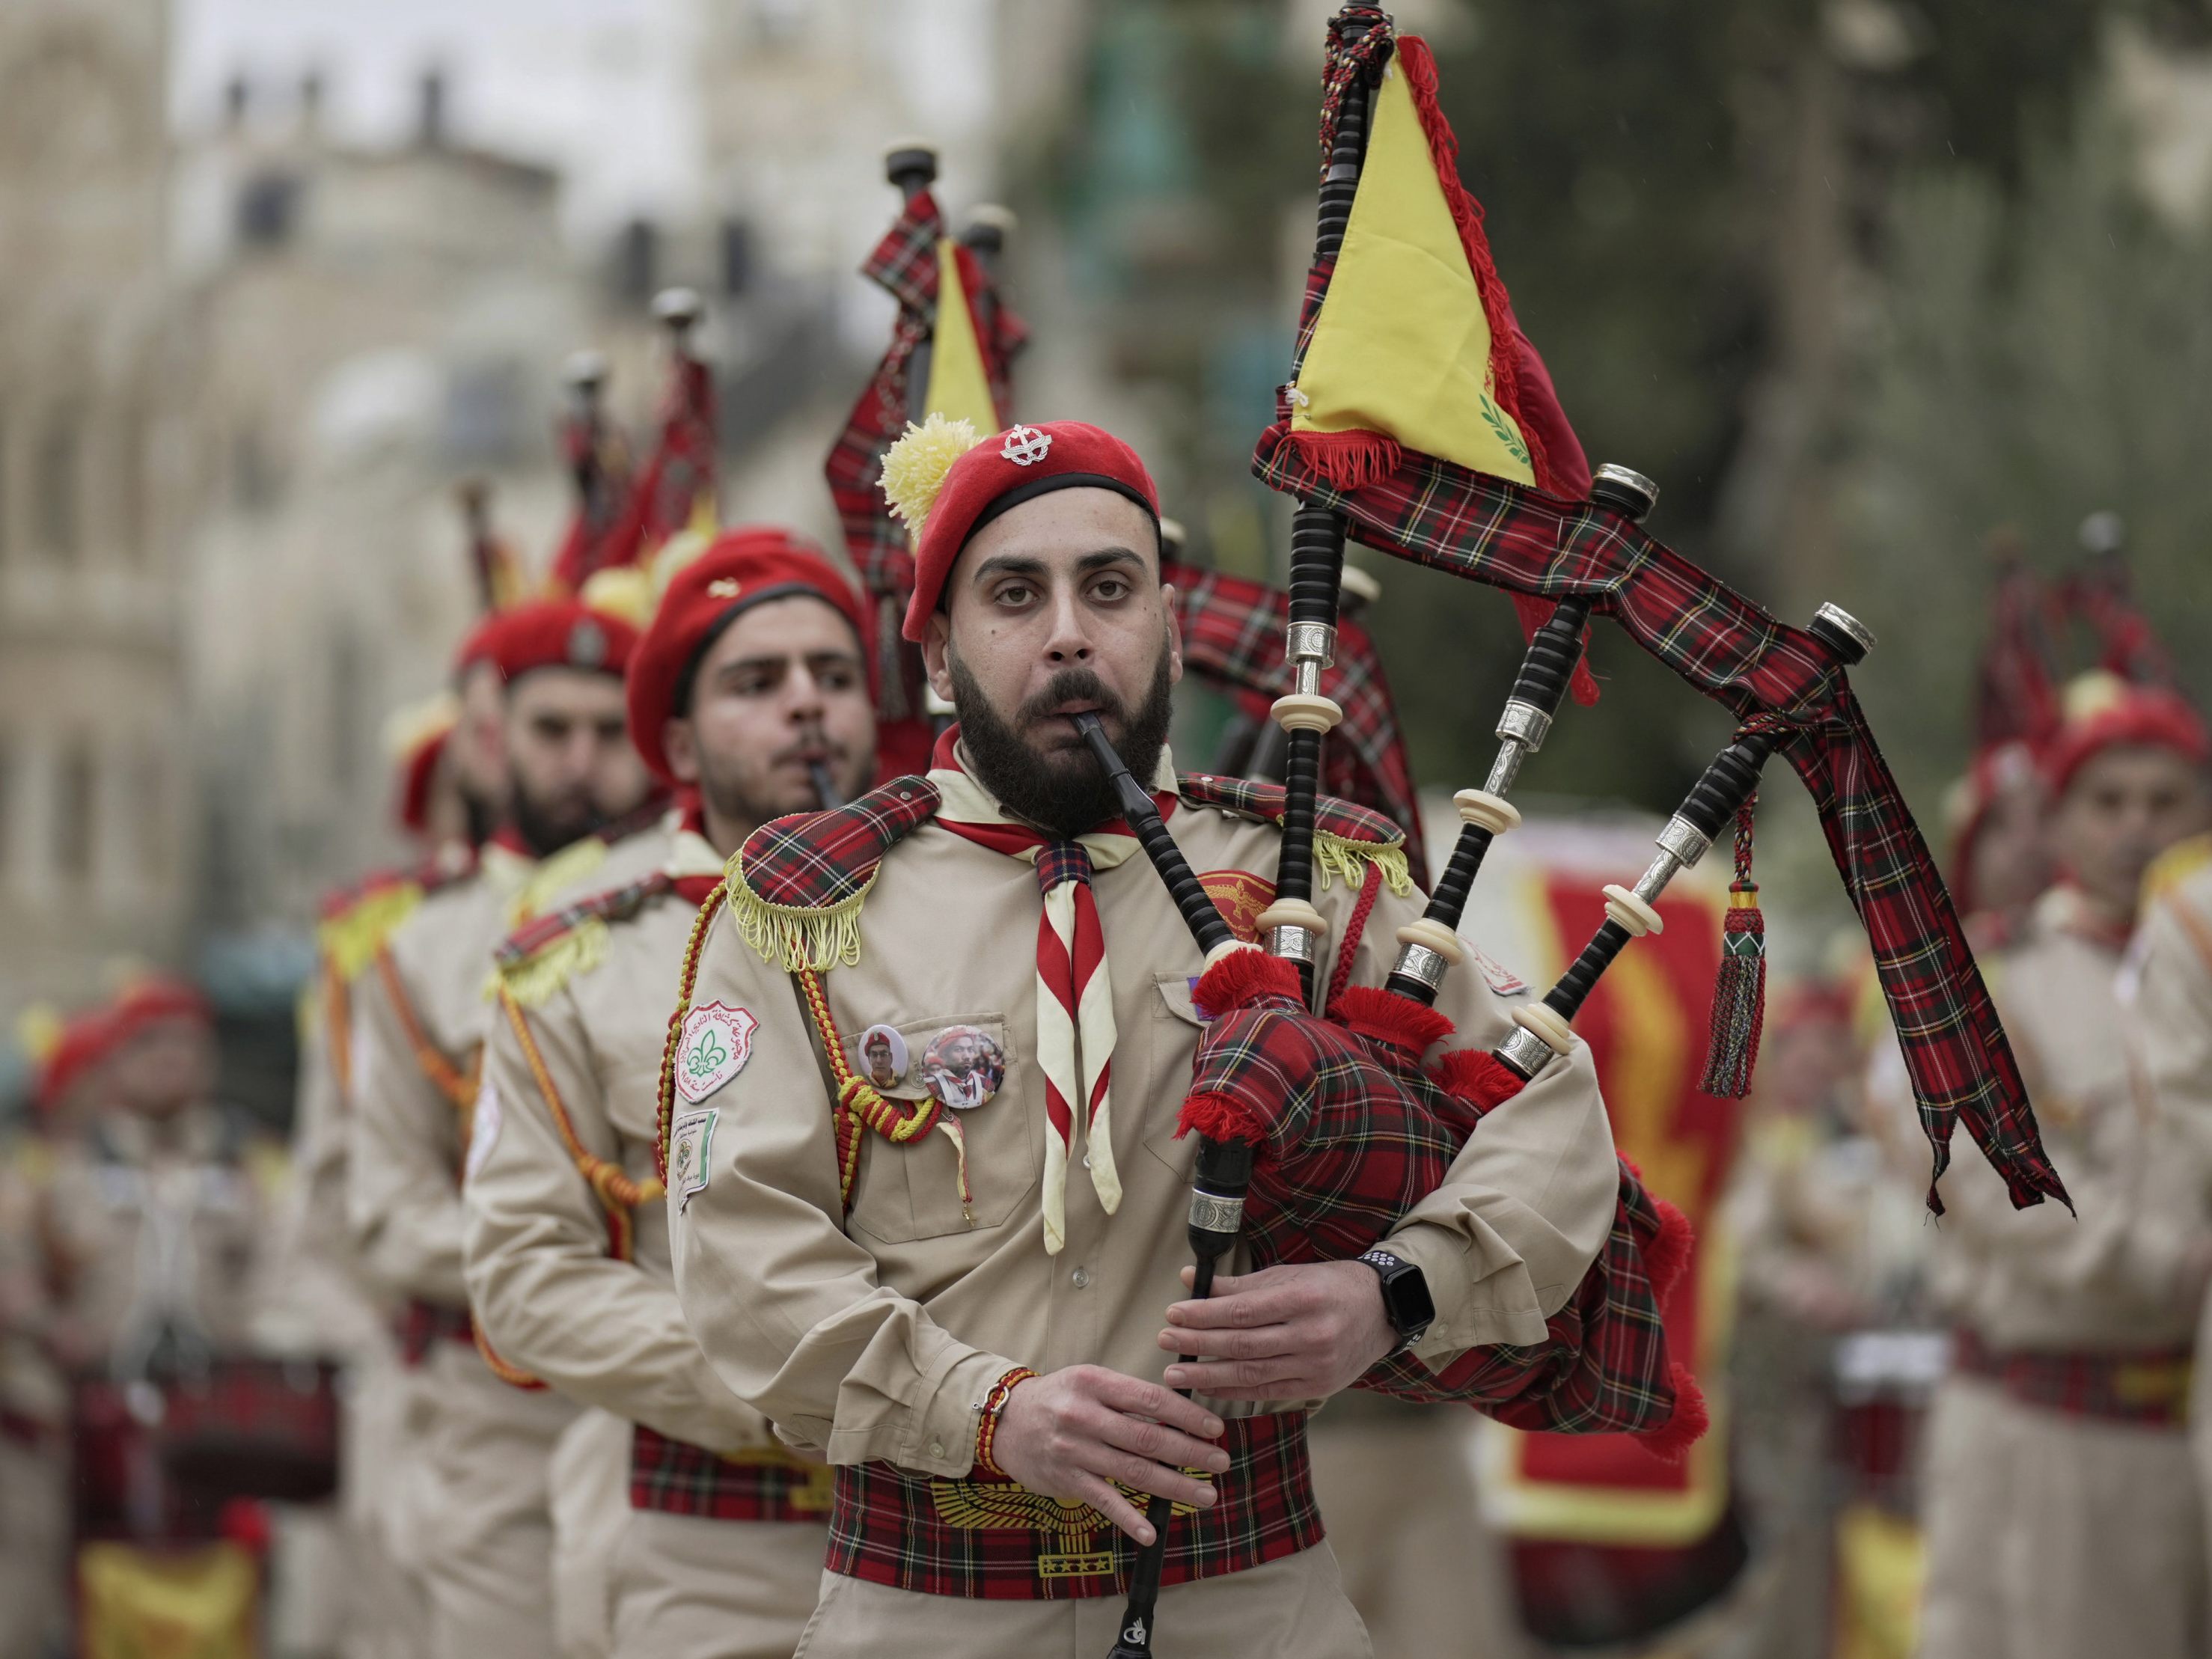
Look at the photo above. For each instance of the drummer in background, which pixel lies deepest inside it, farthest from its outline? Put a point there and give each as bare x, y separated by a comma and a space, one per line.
2062, 1517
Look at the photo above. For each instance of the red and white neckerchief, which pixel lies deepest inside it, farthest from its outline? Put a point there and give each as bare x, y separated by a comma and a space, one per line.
1075, 990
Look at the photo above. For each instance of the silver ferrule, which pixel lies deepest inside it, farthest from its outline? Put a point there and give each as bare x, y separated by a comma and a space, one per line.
1683, 840
1314, 642
1305, 677
1211, 1214
1505, 768
1290, 943
1421, 962
1524, 723
1653, 882
1525, 1052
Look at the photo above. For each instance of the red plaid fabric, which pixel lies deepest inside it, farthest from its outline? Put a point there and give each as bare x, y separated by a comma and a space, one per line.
817, 859
677, 475
1349, 1133
996, 1540
1264, 801
675, 1478
1444, 516
616, 904
422, 1324
1233, 633
600, 466
2149, 1389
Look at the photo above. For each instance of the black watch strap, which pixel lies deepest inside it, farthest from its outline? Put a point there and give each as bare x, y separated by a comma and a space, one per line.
1406, 1298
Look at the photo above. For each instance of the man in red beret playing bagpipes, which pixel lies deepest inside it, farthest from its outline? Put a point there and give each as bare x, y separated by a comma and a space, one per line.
476, 1514
970, 1306
750, 689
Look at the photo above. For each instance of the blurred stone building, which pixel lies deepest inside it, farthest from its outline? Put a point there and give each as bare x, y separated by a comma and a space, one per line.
94, 853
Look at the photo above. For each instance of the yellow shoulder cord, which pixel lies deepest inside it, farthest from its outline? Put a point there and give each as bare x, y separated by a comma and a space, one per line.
459, 1087
685, 983
618, 1195
859, 1103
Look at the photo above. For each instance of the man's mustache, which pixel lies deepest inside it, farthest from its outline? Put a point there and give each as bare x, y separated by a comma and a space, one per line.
1071, 685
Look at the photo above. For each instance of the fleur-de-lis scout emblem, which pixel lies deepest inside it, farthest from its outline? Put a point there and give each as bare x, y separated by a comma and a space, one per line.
1025, 445
717, 1042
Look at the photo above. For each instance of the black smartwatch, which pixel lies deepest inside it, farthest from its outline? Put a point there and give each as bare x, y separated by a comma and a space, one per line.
1405, 1297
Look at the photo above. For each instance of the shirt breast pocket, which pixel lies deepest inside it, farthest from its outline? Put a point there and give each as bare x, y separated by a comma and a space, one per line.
910, 1190
1171, 1027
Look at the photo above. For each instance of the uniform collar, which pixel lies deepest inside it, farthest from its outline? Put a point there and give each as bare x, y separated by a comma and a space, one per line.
963, 797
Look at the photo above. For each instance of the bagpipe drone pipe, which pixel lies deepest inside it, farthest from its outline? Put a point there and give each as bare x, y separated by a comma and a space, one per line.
1319, 1131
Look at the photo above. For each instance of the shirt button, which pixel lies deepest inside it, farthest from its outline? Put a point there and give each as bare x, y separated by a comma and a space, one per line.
1081, 1279
937, 1449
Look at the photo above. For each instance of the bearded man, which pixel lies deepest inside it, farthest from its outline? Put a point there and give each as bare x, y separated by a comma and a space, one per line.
968, 1311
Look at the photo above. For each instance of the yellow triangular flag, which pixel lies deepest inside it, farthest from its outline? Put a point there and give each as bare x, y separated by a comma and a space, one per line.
1401, 347
958, 388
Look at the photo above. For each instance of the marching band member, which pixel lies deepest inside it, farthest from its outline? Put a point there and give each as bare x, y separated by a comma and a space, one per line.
753, 673
967, 1307
2062, 1518
475, 1515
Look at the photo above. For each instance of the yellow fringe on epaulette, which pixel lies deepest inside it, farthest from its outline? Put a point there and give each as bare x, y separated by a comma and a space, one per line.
349, 938
2175, 866
1333, 855
564, 869
796, 937
553, 964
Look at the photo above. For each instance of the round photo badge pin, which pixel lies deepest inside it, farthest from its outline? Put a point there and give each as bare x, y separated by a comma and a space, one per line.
883, 1057
963, 1067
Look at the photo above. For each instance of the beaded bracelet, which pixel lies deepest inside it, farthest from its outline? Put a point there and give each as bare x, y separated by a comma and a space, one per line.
986, 1419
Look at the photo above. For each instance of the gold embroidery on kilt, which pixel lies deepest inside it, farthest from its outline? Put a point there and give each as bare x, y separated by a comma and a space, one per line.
989, 1504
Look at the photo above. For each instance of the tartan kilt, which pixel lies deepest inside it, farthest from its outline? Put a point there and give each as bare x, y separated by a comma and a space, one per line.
1349, 1133
996, 1540
673, 1477
2148, 1389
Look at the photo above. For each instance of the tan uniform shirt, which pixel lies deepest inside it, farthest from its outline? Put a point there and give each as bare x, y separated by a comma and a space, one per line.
2039, 1278
2168, 1007
415, 1058
154, 1224
604, 1331
872, 1335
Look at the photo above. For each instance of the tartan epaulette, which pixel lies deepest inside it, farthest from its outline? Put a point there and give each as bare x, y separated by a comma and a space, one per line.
544, 954
795, 887
1347, 839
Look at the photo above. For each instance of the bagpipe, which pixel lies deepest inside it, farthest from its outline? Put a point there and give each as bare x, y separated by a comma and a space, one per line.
1320, 1127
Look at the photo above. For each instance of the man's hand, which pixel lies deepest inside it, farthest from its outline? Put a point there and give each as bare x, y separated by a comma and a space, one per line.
1071, 1434
1297, 1333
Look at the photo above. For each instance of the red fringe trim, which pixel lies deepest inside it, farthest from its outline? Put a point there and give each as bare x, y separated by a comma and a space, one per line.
1348, 460
1218, 1118
1242, 978
1672, 1440
1477, 1077
1420, 67
1385, 1017
1668, 1252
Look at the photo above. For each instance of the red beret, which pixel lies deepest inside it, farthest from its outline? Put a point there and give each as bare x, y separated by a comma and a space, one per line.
85, 1040
90, 1038
550, 634
418, 768
744, 568
1004, 470
2139, 716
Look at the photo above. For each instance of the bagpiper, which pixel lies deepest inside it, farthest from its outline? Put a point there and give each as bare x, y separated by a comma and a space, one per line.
476, 1513
750, 692
962, 1287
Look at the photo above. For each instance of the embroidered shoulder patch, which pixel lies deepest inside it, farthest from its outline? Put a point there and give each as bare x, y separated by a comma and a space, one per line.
690, 1155
717, 1041
1240, 896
